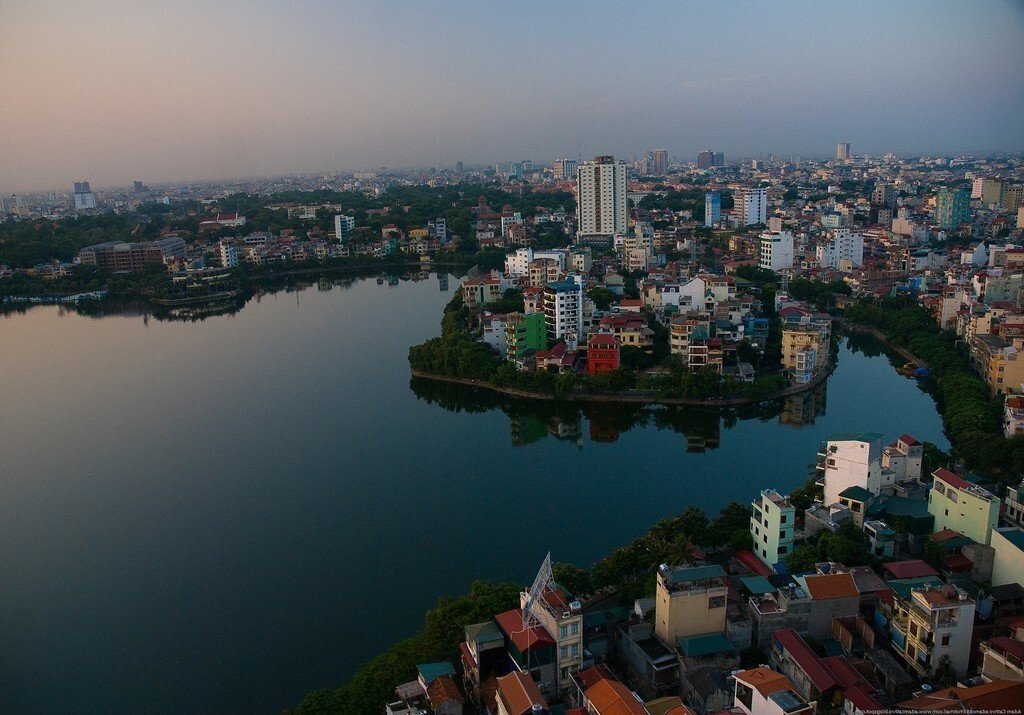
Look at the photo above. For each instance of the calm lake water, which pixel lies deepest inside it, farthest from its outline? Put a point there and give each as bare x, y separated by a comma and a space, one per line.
222, 515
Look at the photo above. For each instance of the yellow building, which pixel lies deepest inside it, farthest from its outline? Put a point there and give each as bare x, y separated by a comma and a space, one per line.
805, 348
1008, 561
689, 601
1000, 364
962, 506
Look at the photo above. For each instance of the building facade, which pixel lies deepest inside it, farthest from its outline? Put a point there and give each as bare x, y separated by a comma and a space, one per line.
601, 207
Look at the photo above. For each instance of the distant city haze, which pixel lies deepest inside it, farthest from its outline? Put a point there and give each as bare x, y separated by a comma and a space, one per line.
115, 91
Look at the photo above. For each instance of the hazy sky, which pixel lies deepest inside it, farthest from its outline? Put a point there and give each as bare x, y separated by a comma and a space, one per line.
112, 90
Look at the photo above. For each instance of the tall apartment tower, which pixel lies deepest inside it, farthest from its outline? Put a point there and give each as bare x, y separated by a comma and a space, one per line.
843, 150
660, 162
712, 208
751, 206
601, 207
705, 159
952, 208
564, 168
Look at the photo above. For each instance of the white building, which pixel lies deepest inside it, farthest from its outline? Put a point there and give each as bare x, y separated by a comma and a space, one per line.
844, 251
518, 262
563, 308
776, 251
601, 207
228, 255
509, 221
344, 226
853, 460
750, 206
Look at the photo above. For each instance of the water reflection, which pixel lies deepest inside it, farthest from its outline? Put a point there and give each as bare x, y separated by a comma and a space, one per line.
533, 420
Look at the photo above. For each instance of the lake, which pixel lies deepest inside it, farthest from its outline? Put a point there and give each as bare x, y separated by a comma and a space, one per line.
226, 514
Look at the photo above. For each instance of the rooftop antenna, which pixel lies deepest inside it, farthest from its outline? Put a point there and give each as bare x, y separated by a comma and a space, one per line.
540, 584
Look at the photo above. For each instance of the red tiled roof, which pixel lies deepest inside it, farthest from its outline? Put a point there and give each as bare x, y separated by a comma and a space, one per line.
610, 697
806, 658
467, 655
945, 535
591, 676
442, 690
835, 585
511, 623
1006, 644
753, 563
908, 440
958, 562
911, 568
765, 680
519, 693
949, 478
997, 695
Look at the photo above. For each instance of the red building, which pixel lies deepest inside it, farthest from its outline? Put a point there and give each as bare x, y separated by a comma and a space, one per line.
602, 353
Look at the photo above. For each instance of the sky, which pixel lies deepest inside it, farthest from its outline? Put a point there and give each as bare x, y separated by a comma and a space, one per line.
117, 90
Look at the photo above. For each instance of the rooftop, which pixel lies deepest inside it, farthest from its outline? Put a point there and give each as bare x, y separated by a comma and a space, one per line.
694, 576
1014, 535
431, 671
856, 493
828, 586
855, 437
764, 680
911, 568
704, 644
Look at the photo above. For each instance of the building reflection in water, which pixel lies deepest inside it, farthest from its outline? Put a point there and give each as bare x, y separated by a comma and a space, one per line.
803, 409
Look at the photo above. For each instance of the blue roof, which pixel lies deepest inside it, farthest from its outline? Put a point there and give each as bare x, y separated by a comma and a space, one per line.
432, 671
1015, 536
688, 574
563, 285
854, 437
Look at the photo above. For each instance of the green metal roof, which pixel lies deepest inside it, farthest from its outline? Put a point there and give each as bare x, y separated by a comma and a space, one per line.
856, 493
689, 574
899, 506
594, 619
431, 671
854, 437
480, 633
757, 585
704, 644
902, 586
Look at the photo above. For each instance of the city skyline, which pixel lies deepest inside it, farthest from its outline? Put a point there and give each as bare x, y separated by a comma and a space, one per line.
193, 93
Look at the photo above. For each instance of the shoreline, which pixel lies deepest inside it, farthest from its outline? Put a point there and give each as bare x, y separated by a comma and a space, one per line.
633, 397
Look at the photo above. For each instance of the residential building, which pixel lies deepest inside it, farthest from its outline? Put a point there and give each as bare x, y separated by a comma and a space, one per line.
750, 206
811, 678
705, 159
712, 208
762, 691
518, 694
1008, 560
563, 308
844, 252
84, 197
831, 595
531, 651
525, 334
952, 208
660, 162
477, 292
934, 624
601, 207
563, 620
999, 695
1013, 197
564, 169
344, 227
652, 667
123, 257
1002, 659
999, 362
776, 251
690, 601
805, 348
904, 459
962, 506
1014, 500
843, 151
602, 353
771, 527
884, 195
852, 460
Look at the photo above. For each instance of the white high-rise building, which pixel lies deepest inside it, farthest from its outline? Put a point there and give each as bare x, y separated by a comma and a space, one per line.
776, 251
563, 308
750, 206
845, 246
344, 226
601, 207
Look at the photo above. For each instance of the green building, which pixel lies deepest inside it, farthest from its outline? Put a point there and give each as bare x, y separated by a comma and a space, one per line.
525, 334
952, 208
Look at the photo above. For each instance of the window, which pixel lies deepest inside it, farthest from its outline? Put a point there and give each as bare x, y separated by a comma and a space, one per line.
563, 651
716, 602
574, 628
782, 549
783, 520
563, 631
575, 650
944, 640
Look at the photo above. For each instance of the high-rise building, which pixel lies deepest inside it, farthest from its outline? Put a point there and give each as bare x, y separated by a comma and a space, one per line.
952, 208
776, 251
712, 208
344, 226
718, 159
705, 159
750, 206
844, 246
564, 168
1013, 196
884, 195
660, 162
563, 309
84, 197
601, 207
843, 151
